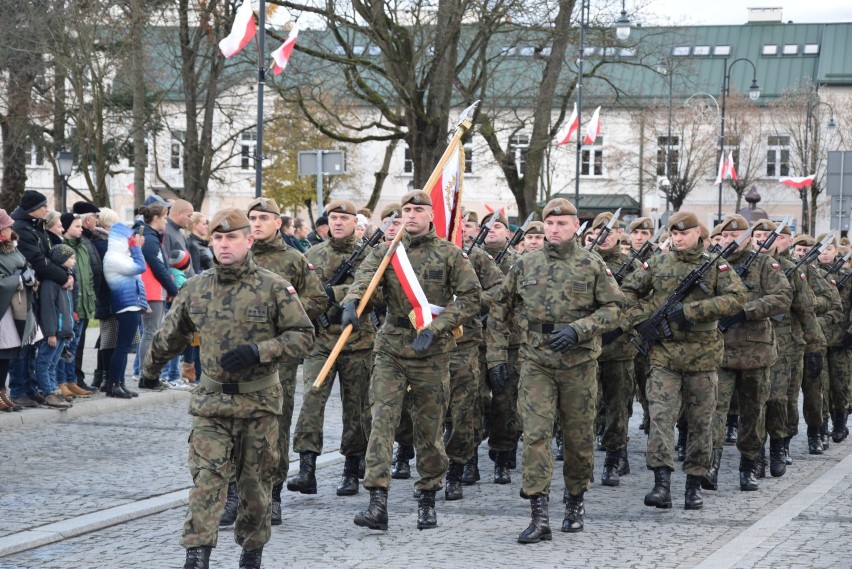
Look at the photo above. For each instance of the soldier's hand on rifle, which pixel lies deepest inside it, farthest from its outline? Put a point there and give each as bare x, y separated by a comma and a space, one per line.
241, 357
726, 323
610, 337
675, 315
498, 378
350, 316
423, 340
847, 340
564, 339
813, 363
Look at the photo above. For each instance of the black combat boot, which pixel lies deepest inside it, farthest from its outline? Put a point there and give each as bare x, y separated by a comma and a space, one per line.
113, 389
349, 481
232, 506
470, 475
623, 463
574, 511
306, 480
453, 490
376, 514
559, 453
788, 459
748, 481
777, 464
610, 469
198, 557
426, 517
680, 445
814, 442
276, 503
692, 498
401, 470
660, 496
710, 481
823, 434
840, 430
250, 559
539, 528
501, 468
731, 429
760, 463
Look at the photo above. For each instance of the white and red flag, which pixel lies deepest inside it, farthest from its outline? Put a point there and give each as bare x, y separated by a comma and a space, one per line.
242, 33
564, 134
797, 182
281, 56
731, 170
423, 311
446, 198
594, 127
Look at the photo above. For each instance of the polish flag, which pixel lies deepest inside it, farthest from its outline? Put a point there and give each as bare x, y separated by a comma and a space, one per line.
281, 55
594, 127
731, 171
564, 134
423, 311
722, 167
798, 183
242, 33
446, 199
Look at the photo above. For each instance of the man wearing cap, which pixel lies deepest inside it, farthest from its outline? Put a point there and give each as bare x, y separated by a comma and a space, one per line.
180, 216
352, 365
615, 365
249, 320
471, 227
683, 366
270, 252
320, 233
796, 330
33, 241
534, 237
564, 298
413, 357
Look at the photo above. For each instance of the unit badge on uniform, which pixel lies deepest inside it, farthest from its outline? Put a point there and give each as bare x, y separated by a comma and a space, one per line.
291, 289
311, 267
776, 266
723, 267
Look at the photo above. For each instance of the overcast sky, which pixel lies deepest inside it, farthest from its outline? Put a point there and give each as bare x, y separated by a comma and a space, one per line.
709, 12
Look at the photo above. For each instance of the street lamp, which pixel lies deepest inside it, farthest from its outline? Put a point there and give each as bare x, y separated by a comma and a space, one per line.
64, 164
809, 116
622, 32
664, 67
753, 94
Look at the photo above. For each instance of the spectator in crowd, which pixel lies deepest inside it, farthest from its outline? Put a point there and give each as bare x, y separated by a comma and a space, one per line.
180, 265
53, 225
319, 234
197, 244
123, 265
99, 236
361, 223
90, 266
180, 217
288, 233
300, 232
17, 317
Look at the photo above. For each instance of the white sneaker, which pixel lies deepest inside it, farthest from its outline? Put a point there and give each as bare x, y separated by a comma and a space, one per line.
177, 384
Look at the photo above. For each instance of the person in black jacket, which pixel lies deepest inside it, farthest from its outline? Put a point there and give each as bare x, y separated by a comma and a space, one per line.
33, 241
197, 244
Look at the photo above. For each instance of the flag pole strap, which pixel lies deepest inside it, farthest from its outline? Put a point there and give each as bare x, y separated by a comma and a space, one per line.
465, 122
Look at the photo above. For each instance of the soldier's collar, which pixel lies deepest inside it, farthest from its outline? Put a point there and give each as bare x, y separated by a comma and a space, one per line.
696, 252
407, 239
236, 272
561, 249
345, 244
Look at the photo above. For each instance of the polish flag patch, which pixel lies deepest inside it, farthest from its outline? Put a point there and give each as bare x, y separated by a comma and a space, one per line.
723, 268
803, 276
311, 267
645, 265
608, 272
291, 289
776, 266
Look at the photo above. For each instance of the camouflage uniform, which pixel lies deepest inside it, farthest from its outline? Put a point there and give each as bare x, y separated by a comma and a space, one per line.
547, 290
286, 262
442, 271
839, 356
683, 367
233, 435
352, 366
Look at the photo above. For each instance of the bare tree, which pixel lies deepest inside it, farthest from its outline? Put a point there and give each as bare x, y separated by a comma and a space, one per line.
744, 136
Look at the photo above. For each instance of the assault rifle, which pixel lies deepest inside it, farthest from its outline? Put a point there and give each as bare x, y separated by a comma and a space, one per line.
483, 232
649, 331
742, 269
838, 264
347, 267
605, 230
640, 254
666, 244
516, 238
842, 282
812, 254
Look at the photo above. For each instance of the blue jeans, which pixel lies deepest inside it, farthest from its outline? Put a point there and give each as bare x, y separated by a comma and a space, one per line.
66, 372
128, 323
46, 364
171, 371
22, 381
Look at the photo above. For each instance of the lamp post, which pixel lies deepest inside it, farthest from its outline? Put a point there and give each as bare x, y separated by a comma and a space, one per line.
622, 32
813, 103
664, 67
64, 164
753, 94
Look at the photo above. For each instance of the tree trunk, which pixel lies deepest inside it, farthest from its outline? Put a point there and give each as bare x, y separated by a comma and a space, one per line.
15, 128
138, 18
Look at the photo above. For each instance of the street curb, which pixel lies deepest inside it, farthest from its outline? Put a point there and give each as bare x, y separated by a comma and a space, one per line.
73, 527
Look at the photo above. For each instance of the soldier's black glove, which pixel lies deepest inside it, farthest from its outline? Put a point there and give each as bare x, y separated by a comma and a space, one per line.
498, 378
241, 357
610, 337
350, 316
813, 363
564, 339
676, 316
847, 340
423, 340
726, 323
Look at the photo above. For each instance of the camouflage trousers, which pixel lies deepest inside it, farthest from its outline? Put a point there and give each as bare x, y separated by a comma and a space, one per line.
353, 371
812, 394
429, 381
752, 388
617, 385
287, 376
464, 402
780, 377
504, 425
483, 426
405, 430
696, 392
220, 450
642, 369
547, 394
839, 370
793, 390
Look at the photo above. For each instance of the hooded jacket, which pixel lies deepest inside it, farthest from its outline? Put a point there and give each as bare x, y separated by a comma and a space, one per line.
122, 266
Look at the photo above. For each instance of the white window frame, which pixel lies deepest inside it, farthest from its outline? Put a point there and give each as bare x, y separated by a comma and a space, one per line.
775, 150
591, 155
176, 143
248, 148
519, 144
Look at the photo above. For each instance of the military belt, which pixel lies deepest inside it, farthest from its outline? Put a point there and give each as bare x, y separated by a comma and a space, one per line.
546, 328
235, 388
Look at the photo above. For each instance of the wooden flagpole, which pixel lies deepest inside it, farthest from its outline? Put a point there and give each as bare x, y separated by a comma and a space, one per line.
465, 122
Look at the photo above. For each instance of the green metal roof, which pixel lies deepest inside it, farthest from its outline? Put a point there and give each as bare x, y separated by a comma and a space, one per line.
599, 203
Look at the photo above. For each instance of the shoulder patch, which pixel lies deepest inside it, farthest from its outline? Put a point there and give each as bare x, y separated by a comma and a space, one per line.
489, 256
311, 266
465, 255
608, 272
291, 289
802, 275
834, 282
776, 266
723, 267
645, 265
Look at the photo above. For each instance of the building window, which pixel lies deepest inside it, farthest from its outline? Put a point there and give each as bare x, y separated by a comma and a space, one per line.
34, 155
468, 159
176, 150
130, 152
591, 159
770, 49
674, 155
811, 49
248, 148
723, 50
519, 146
778, 156
701, 50
791, 49
408, 162
681, 50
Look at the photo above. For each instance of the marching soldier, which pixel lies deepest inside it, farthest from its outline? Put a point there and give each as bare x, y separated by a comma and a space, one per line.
411, 356
564, 297
352, 366
249, 319
641, 231
683, 366
534, 237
